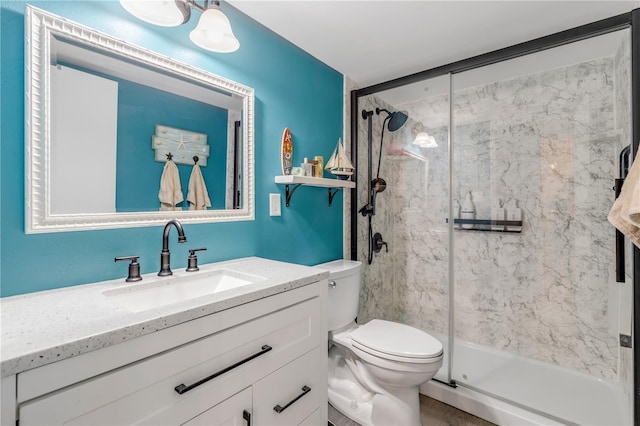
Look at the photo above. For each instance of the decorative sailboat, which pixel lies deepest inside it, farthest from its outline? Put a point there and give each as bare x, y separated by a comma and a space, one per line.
339, 164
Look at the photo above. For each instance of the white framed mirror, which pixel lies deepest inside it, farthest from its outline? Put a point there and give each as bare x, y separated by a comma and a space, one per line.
94, 106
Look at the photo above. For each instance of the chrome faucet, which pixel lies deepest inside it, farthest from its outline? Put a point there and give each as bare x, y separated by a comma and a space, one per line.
165, 256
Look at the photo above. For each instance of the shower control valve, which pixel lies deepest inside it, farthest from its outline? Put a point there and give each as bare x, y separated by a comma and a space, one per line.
378, 243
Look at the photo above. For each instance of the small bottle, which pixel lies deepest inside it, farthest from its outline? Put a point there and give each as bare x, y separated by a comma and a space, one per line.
456, 213
307, 167
514, 214
468, 211
314, 168
319, 167
497, 213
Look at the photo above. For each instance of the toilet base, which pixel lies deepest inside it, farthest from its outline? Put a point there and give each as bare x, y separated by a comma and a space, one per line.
346, 393
372, 405
404, 411
359, 412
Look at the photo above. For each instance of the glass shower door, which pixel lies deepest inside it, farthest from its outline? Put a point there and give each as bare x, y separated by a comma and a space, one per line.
538, 312
409, 283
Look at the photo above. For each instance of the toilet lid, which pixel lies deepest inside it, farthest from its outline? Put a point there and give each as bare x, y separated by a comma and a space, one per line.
396, 339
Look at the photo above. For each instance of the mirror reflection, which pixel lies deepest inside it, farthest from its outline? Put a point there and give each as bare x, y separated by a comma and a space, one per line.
119, 136
114, 126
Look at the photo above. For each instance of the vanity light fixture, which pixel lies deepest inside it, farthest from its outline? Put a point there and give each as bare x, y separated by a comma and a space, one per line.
212, 33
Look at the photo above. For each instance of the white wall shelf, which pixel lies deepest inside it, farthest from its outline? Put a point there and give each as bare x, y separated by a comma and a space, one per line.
333, 185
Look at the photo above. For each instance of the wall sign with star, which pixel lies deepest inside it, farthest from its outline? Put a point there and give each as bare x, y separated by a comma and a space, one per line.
183, 145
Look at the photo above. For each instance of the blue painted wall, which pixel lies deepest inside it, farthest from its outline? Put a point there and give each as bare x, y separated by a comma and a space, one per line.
292, 90
140, 108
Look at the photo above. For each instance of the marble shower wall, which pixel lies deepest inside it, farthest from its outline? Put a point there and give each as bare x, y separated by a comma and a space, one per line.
377, 298
547, 140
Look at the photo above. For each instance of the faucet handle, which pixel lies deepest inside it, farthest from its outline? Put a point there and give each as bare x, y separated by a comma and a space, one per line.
134, 268
193, 260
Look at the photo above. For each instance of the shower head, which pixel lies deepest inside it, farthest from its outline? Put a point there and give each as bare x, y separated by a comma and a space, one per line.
396, 119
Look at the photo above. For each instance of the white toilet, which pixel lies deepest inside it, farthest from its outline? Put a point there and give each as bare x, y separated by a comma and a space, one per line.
375, 369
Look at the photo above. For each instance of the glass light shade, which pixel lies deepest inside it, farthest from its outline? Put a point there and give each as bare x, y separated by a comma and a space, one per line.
165, 13
424, 140
214, 33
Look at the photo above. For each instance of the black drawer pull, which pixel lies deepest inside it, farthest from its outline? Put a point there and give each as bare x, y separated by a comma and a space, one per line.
247, 416
305, 390
182, 388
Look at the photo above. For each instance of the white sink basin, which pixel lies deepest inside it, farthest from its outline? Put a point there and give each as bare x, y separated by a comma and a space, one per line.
141, 297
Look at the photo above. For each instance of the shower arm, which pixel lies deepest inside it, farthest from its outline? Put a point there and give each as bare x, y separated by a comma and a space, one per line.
381, 141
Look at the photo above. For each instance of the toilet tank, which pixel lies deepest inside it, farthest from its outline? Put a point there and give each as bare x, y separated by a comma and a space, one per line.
344, 298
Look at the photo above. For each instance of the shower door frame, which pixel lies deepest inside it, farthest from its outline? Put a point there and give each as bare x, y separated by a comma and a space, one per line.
629, 20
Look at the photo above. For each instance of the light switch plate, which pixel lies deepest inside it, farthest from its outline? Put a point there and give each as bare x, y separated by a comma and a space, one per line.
274, 205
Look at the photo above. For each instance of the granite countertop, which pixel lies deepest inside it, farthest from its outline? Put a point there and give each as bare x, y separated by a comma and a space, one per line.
48, 326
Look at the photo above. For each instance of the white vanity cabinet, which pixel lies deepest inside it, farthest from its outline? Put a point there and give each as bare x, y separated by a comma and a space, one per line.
235, 411
291, 395
261, 363
288, 396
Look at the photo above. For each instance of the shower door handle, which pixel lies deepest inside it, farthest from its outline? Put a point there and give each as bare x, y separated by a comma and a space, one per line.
619, 240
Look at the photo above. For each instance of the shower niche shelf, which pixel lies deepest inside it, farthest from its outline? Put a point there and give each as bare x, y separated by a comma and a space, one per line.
294, 182
485, 225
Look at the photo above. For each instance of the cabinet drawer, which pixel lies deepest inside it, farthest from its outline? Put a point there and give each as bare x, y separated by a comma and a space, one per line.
313, 420
235, 411
144, 392
291, 394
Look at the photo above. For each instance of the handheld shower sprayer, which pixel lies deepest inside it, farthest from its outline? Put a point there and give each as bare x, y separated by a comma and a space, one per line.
367, 209
393, 122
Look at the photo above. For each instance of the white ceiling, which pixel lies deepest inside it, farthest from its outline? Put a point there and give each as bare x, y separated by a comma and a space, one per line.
375, 41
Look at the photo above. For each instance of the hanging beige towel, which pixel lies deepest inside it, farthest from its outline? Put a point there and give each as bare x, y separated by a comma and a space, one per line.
170, 191
197, 197
625, 213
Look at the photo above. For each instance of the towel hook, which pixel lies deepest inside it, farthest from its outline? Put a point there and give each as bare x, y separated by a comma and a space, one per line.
169, 156
195, 159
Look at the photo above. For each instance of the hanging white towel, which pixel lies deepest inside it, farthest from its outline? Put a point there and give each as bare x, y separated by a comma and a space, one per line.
625, 213
197, 196
170, 191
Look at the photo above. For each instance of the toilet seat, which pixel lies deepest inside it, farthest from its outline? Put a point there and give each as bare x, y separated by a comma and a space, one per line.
396, 342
